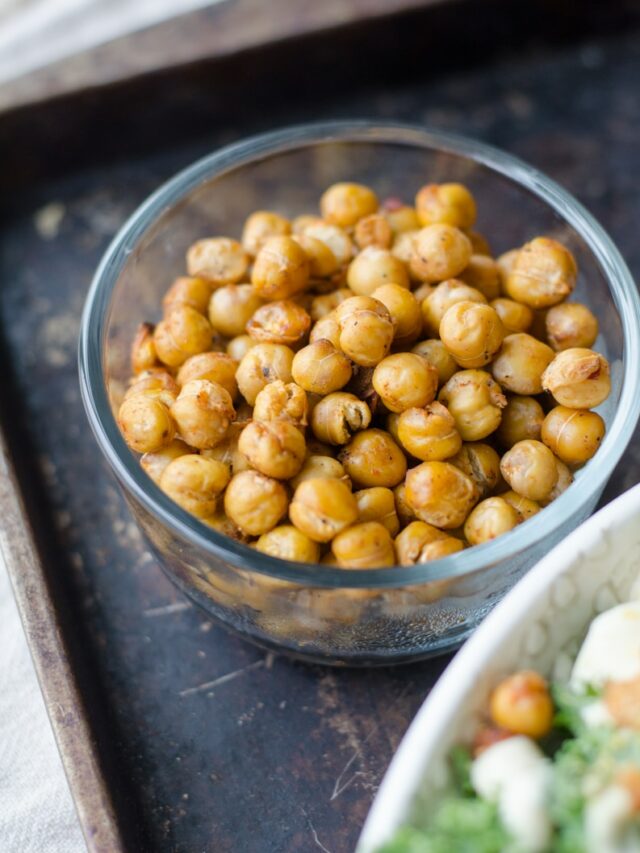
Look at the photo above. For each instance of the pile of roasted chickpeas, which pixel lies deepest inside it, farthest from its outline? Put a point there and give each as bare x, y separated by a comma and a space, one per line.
367, 387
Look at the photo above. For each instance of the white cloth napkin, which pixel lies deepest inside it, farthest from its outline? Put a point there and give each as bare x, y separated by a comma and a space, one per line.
36, 810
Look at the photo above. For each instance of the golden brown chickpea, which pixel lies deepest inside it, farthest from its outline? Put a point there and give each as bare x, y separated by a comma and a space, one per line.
345, 203
574, 435
569, 325
544, 273
281, 269
219, 522
529, 467
338, 416
263, 364
275, 448
521, 418
320, 368
429, 433
219, 260
444, 296
334, 237
322, 507
479, 243
378, 504
203, 412
521, 362
366, 330
505, 265
282, 401
255, 502
326, 328
489, 519
183, 332
483, 273
565, 478
281, 322
405, 513
185, 290
231, 307
289, 543
472, 333
372, 458
214, 366
146, 423
451, 204
404, 381
322, 261
322, 306
143, 349
155, 463
364, 546
194, 483
373, 230
522, 705
404, 247
411, 541
578, 378
405, 312
437, 354
374, 267
440, 252
480, 463
228, 453
239, 346
318, 466
523, 506
476, 401
440, 494
260, 226
515, 316
401, 218
158, 384
439, 549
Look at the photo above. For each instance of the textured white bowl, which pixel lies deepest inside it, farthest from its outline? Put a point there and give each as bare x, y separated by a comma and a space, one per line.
538, 625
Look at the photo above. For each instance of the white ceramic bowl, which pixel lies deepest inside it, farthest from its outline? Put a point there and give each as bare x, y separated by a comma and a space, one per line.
539, 626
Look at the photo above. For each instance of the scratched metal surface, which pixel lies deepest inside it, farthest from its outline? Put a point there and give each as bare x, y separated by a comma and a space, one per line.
217, 746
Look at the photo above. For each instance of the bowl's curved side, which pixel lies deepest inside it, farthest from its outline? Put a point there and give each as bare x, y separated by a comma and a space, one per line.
590, 570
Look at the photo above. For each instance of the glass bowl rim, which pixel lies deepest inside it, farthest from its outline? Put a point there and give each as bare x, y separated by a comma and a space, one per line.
220, 547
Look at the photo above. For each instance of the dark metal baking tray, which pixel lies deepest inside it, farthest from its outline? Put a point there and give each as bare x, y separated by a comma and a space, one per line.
175, 735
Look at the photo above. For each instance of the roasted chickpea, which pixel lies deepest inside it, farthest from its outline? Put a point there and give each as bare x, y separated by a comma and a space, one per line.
521, 418
479, 243
578, 378
263, 364
220, 523
489, 519
281, 269
439, 549
404, 381
483, 273
364, 546
565, 478
322, 306
143, 349
437, 354
275, 448
480, 463
345, 203
213, 366
521, 362
404, 247
326, 328
255, 502
523, 506
411, 541
322, 261
522, 705
574, 435
319, 466
372, 458
260, 226
334, 237
186, 290
429, 433
183, 332
373, 230
443, 297
440, 252
505, 265
476, 402
544, 273
322, 507
194, 483
570, 325
154, 463
227, 452
405, 512
155, 383
440, 494
515, 316
320, 368
366, 330
400, 217
451, 204
374, 267
405, 312
472, 333
378, 504
282, 401
219, 260
203, 412
231, 307
529, 467
289, 543
146, 423
239, 346
281, 322
338, 416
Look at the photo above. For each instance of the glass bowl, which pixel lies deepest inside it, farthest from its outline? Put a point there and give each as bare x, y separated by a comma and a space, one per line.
318, 612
